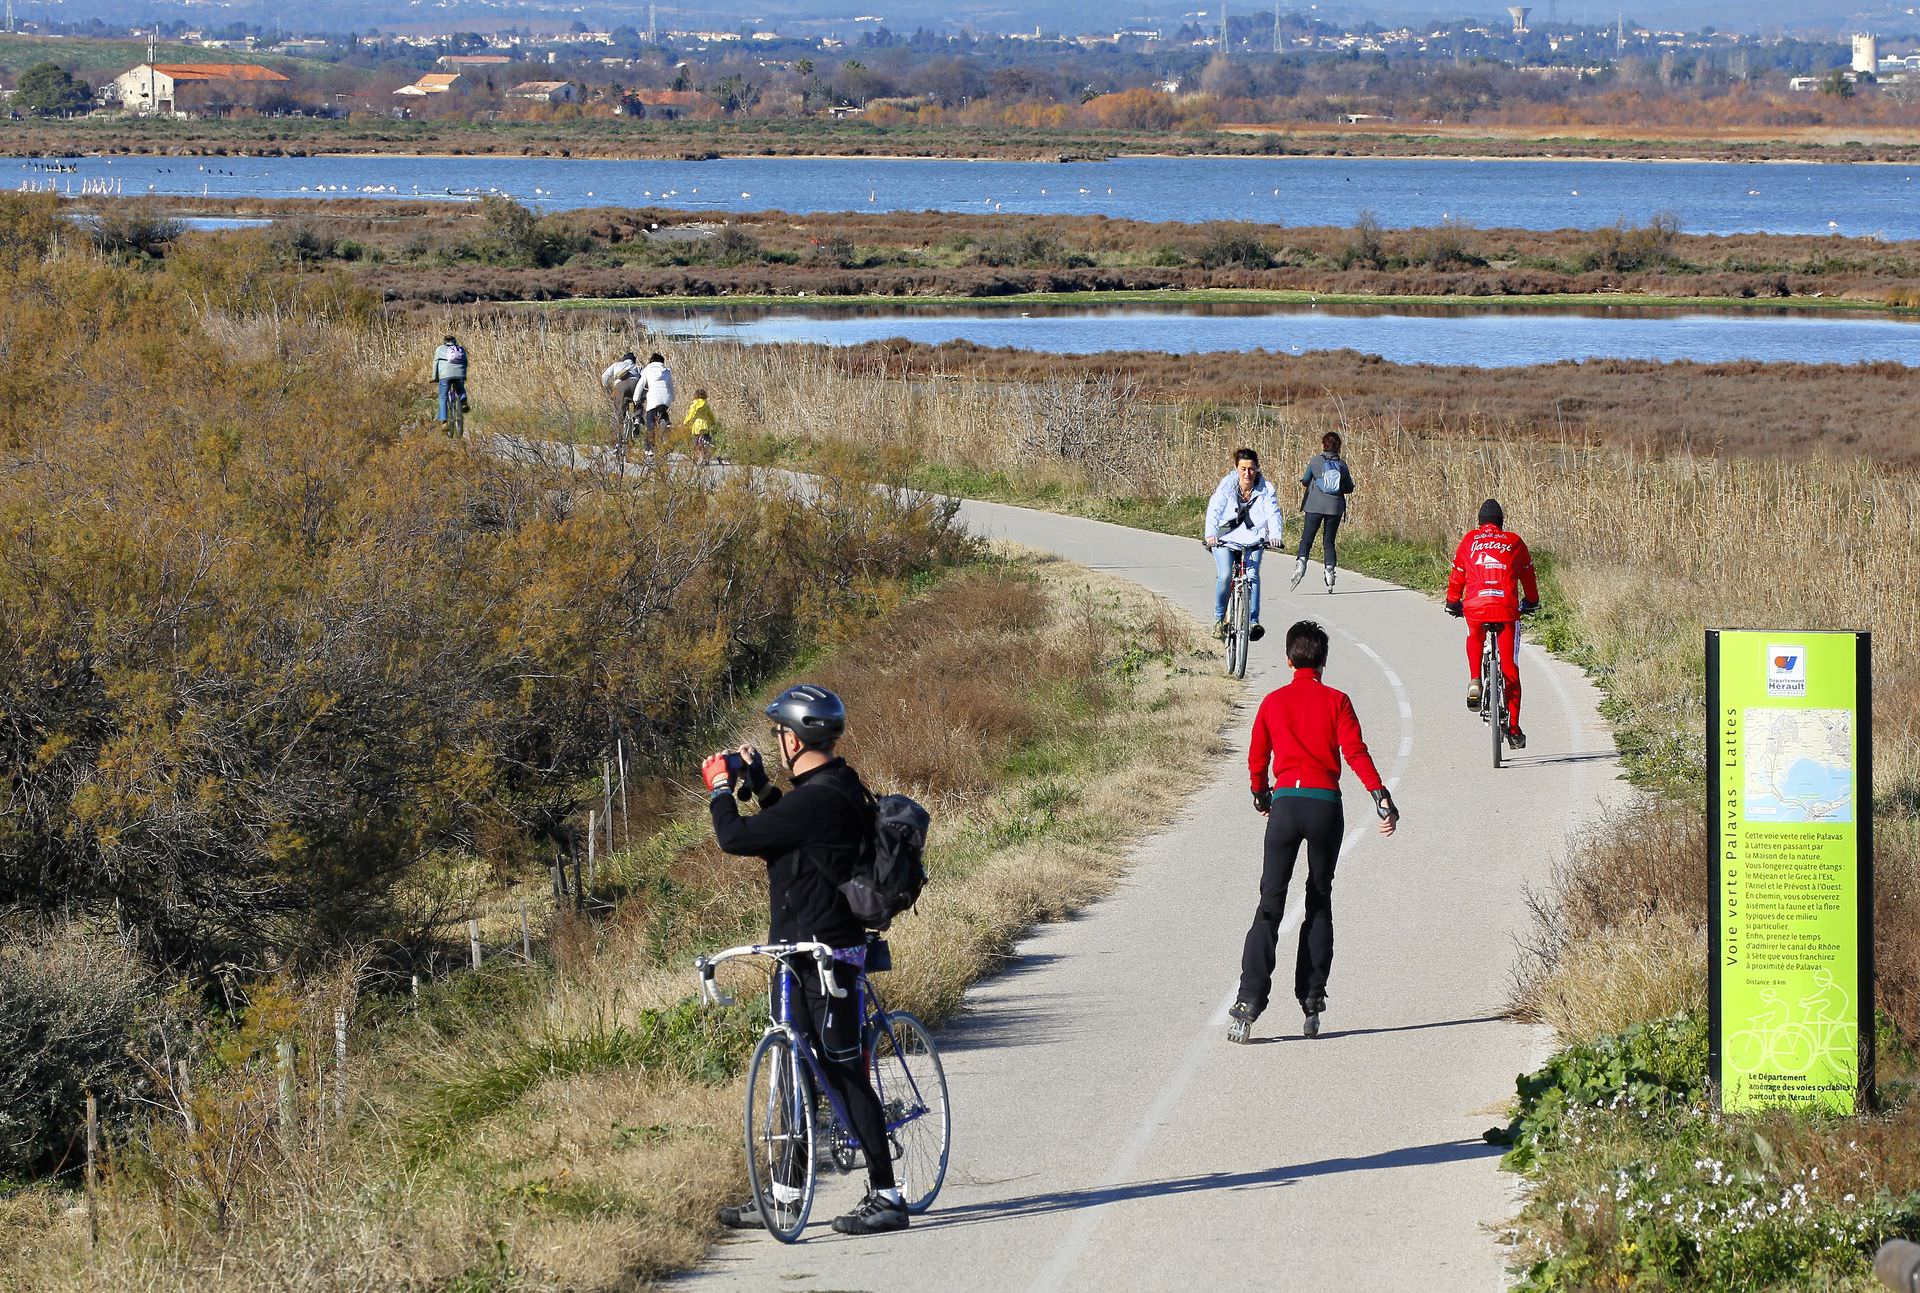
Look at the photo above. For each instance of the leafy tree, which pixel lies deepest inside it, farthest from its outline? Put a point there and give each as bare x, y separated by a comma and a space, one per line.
49, 90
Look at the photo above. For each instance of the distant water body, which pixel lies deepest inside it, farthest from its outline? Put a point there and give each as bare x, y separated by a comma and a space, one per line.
1795, 198
1474, 338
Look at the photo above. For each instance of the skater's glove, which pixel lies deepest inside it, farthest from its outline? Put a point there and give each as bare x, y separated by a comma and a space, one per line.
1262, 801
1456, 609
1383, 804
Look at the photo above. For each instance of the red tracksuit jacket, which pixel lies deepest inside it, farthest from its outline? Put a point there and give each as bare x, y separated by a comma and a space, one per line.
1490, 568
1302, 729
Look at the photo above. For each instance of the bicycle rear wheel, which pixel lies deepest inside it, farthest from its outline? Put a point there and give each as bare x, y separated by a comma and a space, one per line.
1494, 690
912, 1086
779, 1134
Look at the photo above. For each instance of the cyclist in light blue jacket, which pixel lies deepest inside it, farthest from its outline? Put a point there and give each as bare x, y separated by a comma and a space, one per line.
1245, 512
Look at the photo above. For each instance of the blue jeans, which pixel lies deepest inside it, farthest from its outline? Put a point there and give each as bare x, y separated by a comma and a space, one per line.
1223, 578
456, 387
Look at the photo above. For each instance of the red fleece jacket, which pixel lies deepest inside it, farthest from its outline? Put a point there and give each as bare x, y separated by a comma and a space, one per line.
1303, 728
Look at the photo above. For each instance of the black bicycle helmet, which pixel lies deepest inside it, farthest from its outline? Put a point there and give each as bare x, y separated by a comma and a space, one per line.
813, 714
1490, 512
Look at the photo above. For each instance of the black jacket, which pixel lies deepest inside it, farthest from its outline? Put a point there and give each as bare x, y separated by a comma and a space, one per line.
810, 837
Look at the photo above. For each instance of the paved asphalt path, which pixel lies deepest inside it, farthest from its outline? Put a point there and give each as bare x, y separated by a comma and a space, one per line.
1106, 1136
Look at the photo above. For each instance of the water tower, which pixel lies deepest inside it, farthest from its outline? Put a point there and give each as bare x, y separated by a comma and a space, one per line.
1520, 13
1866, 53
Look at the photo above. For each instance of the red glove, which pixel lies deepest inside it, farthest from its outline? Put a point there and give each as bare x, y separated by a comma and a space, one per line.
717, 772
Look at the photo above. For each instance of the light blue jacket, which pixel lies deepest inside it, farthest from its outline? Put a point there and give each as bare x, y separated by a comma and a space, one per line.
1263, 518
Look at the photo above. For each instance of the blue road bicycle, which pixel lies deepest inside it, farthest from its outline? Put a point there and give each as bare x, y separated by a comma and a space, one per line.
793, 1116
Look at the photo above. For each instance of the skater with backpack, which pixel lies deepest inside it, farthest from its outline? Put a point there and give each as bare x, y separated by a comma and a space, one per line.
839, 862
1325, 485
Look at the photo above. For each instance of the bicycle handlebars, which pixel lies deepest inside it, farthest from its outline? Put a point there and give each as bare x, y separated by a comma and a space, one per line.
822, 955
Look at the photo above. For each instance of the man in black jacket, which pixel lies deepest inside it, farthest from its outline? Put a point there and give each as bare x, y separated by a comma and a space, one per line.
810, 837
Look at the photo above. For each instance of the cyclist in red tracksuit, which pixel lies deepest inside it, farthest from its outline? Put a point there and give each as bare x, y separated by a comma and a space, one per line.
1493, 583
1300, 733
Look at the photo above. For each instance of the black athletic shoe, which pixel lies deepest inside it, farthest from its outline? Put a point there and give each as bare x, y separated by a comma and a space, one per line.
1516, 738
1311, 1008
746, 1216
1255, 633
874, 1216
1473, 695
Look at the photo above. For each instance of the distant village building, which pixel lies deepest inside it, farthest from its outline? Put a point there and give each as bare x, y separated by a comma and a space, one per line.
155, 89
1866, 53
433, 83
473, 60
546, 91
662, 105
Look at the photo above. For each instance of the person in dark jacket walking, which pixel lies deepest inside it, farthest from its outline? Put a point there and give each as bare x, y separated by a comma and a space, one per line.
811, 837
1300, 734
1326, 483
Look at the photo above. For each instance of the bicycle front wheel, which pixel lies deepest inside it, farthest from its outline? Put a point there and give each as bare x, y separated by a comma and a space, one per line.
779, 1129
1242, 627
912, 1086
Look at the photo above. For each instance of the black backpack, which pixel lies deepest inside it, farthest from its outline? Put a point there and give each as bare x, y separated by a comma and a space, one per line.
892, 868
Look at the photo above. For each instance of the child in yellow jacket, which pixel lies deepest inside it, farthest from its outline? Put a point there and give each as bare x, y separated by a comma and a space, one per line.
701, 426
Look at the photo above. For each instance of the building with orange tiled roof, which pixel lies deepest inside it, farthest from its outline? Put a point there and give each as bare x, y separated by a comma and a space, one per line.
154, 88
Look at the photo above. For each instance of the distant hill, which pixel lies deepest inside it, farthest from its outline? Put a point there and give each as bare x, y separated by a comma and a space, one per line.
96, 59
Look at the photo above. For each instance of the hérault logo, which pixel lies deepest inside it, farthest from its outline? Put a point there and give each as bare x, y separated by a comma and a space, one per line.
1786, 671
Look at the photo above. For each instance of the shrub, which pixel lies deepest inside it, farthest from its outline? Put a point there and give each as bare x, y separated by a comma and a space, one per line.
68, 1002
1621, 249
1365, 247
1234, 248
133, 230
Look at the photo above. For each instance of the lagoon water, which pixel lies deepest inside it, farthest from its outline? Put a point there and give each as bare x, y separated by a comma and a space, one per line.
1477, 338
1797, 198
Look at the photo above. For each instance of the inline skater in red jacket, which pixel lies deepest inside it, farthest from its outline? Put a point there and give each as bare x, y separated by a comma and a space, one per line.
1300, 734
1493, 583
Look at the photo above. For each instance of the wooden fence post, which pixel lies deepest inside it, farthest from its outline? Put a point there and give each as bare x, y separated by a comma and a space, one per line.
620, 758
284, 1064
339, 1062
473, 942
526, 935
93, 1149
184, 1091
592, 841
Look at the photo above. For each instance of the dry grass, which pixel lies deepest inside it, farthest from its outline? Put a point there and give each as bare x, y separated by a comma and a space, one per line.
569, 1167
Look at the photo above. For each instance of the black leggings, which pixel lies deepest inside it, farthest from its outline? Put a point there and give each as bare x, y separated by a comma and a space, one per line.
1309, 523
834, 1023
1292, 820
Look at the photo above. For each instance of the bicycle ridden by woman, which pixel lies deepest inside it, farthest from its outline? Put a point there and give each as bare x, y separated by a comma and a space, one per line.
1299, 736
1244, 512
810, 838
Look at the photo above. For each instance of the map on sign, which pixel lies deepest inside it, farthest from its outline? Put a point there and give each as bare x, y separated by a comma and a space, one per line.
1799, 765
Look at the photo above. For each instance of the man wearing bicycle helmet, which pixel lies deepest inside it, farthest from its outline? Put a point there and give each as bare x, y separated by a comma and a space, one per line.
1244, 511
1493, 583
810, 837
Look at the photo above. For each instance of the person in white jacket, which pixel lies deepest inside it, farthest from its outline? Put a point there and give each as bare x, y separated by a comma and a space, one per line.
1245, 512
655, 397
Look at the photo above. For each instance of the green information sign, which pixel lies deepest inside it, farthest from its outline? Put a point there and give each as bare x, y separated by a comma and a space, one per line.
1790, 813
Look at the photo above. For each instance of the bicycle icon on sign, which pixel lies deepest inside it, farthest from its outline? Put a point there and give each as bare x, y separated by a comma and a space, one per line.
1788, 1039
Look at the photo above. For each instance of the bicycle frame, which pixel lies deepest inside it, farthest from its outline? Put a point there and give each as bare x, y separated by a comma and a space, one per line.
780, 1019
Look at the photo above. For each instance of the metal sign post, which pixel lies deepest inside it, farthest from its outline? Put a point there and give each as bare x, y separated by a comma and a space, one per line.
1790, 836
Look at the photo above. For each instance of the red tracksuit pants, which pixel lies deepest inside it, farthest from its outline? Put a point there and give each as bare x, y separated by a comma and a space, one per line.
1509, 663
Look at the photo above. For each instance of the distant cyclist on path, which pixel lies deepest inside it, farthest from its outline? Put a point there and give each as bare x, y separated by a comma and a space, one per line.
450, 374
1244, 511
1493, 583
621, 382
1326, 483
811, 837
1299, 736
